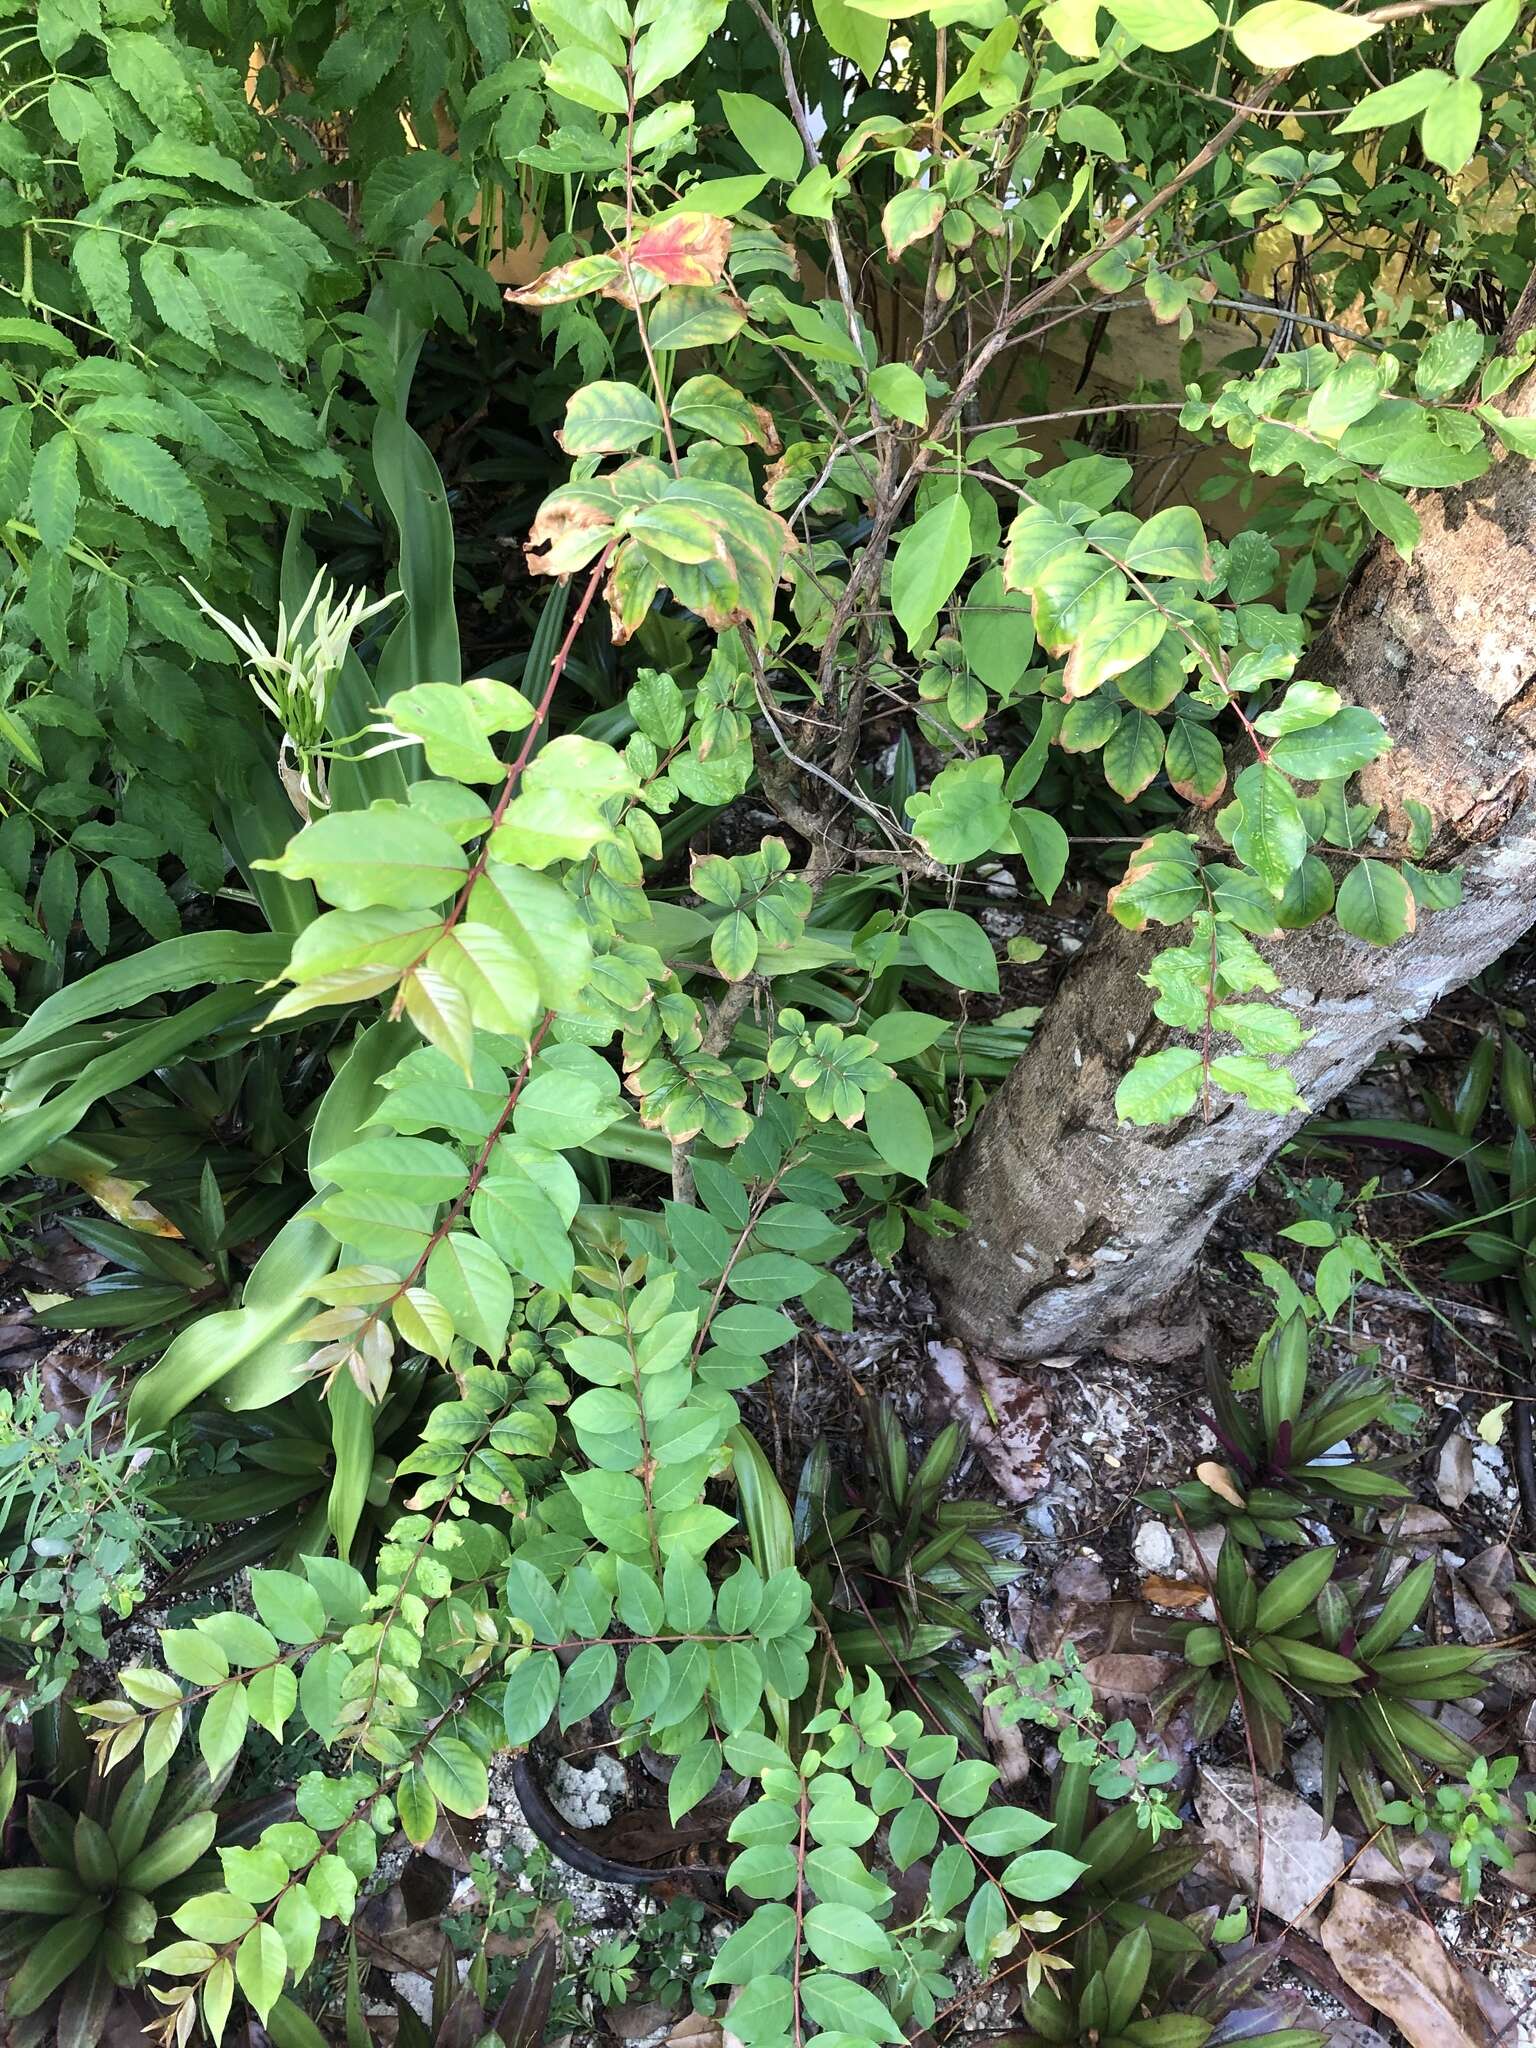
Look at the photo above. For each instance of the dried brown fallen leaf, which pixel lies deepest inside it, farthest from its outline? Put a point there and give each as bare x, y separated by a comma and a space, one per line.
1419, 1524
642, 2021
1008, 1417
1300, 1859
1354, 2034
1488, 1577
1415, 1853
695, 2031
1395, 1961
1453, 1472
1007, 1748
1220, 1481
1179, 1593
1127, 1676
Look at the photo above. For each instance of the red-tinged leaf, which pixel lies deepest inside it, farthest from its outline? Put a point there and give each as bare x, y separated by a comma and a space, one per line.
574, 280
689, 249
521, 2021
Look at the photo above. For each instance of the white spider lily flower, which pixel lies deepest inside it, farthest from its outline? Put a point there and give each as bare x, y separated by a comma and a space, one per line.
292, 678
292, 667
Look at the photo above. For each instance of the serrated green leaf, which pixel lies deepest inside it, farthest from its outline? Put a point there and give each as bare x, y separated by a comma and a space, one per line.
138, 473
55, 490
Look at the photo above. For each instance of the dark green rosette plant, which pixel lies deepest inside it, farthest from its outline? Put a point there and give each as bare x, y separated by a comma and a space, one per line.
1283, 1462
1124, 1992
901, 1571
97, 1872
1133, 1972
1301, 1644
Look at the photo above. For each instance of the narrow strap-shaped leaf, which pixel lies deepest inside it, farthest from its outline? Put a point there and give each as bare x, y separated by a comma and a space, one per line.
138, 1055
424, 646
162, 970
249, 1349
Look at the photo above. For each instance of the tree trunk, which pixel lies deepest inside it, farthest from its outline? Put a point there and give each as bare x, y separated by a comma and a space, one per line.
1082, 1228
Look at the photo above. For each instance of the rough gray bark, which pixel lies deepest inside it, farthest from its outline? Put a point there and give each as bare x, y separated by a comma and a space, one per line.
1082, 1227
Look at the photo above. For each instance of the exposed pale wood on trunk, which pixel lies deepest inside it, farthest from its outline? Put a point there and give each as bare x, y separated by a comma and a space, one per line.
1082, 1226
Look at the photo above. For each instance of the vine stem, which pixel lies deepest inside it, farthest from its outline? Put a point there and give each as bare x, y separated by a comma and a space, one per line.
807, 131
477, 869
223, 1952
945, 1821
647, 1458
1209, 1027
629, 269
759, 1204
800, 1911
1004, 336
461, 1202
482, 859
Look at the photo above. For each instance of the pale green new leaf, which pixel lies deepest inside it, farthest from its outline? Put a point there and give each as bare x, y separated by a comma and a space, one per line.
386, 855
1270, 835
1261, 1086
853, 34
261, 1968
456, 1775
1163, 24
1399, 101
898, 389
1280, 33
1452, 123
1160, 1088
931, 557
677, 34
1490, 26
841, 2006
898, 1128
1170, 543
1375, 903
454, 722
766, 133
